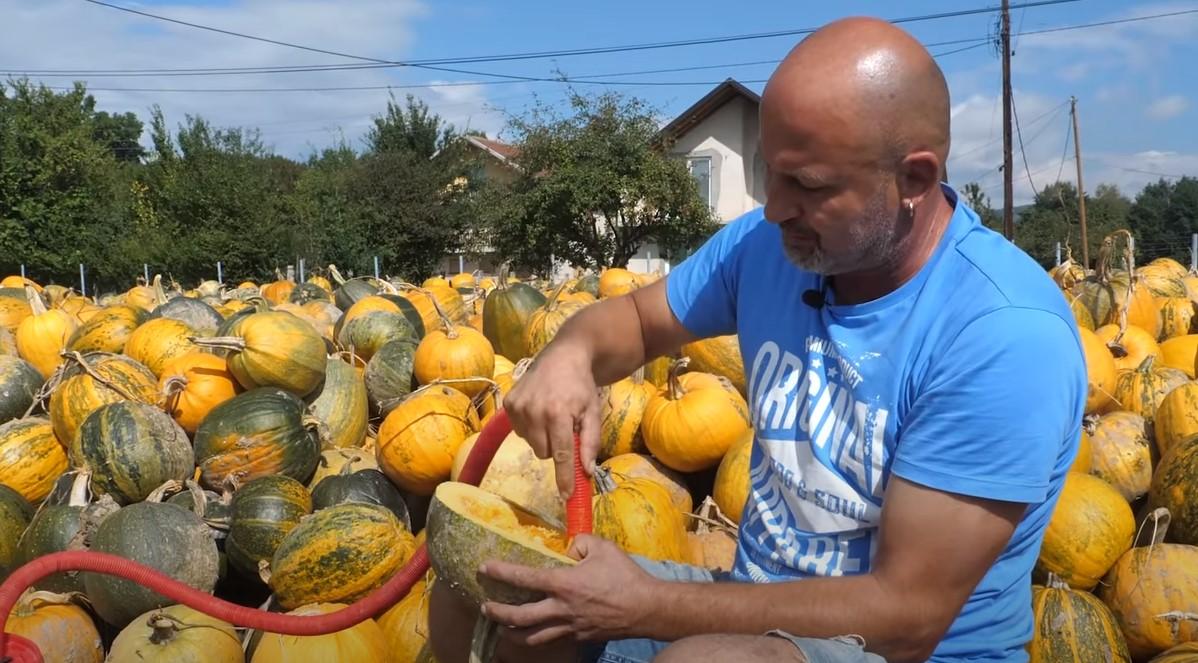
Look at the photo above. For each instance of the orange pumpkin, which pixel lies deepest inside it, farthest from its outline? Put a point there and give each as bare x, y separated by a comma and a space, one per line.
278, 292
1083, 461
62, 630
42, 336
1180, 352
455, 353
1091, 526
731, 490
405, 625
194, 383
692, 422
361, 643
1100, 371
1132, 348
641, 466
420, 437
12, 311
158, 341
719, 355
616, 281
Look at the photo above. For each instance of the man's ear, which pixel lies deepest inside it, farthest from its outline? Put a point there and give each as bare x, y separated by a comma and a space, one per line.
919, 175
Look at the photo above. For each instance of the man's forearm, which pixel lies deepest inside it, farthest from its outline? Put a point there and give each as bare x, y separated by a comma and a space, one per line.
610, 334
891, 625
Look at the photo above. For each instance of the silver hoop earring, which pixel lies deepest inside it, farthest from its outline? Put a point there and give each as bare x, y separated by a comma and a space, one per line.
910, 207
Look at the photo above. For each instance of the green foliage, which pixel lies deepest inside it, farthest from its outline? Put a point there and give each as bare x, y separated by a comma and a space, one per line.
980, 203
1054, 218
1163, 217
409, 129
593, 188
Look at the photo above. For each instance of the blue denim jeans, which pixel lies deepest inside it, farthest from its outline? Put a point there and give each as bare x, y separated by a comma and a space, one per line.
847, 649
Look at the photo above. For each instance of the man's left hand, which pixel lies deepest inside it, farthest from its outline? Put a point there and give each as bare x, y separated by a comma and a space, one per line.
604, 597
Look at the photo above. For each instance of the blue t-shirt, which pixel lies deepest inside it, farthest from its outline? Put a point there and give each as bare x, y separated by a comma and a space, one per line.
969, 378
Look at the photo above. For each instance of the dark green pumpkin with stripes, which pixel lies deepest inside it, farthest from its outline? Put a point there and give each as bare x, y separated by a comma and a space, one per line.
389, 375
262, 513
341, 404
19, 384
368, 486
53, 529
365, 334
505, 315
1073, 627
15, 514
131, 448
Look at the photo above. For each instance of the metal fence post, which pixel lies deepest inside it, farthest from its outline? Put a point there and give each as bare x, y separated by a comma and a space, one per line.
82, 281
376, 266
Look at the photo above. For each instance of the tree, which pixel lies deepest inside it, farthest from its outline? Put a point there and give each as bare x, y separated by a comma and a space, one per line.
411, 128
120, 133
1053, 218
979, 202
593, 188
1163, 216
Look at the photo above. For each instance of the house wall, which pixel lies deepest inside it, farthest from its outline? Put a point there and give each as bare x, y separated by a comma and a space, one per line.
729, 137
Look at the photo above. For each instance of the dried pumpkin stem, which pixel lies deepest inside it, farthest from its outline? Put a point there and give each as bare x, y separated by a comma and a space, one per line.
676, 369
551, 305
603, 481
233, 343
159, 493
78, 357
35, 301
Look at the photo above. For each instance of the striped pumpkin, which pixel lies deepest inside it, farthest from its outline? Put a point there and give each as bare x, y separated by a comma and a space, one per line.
130, 449
505, 315
638, 516
257, 433
263, 511
1177, 315
341, 404
1091, 526
644, 466
624, 405
1142, 390
544, 322
79, 394
31, 457
1177, 417
15, 514
19, 384
1073, 626
1121, 453
719, 355
340, 553
108, 330
273, 349
158, 341
1174, 486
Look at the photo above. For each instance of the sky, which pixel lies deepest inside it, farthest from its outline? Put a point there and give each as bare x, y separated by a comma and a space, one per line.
1136, 96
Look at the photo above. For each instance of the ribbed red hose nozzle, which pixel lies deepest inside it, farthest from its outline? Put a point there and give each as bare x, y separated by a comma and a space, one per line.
14, 649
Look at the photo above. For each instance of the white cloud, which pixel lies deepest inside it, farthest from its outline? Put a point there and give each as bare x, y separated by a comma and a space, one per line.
67, 34
1167, 107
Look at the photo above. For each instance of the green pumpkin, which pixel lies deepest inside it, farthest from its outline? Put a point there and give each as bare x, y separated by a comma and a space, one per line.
308, 292
505, 315
1073, 626
19, 384
15, 514
367, 486
341, 404
348, 293
389, 375
193, 312
588, 283
52, 530
166, 537
263, 512
365, 334
256, 433
214, 509
409, 311
131, 448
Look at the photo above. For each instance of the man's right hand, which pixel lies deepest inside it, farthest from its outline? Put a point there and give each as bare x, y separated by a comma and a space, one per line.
553, 400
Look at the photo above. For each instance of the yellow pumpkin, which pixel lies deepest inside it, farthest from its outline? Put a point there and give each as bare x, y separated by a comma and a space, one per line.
1121, 454
719, 355
1177, 417
361, 643
405, 625
80, 394
616, 281
624, 405
278, 292
273, 349
1131, 349
12, 311
333, 461
420, 437
641, 466
455, 353
8, 344
545, 321
369, 304
159, 341
31, 457
62, 630
517, 474
1180, 352
1083, 461
427, 300
17, 281
108, 330
194, 383
462, 280
174, 634
1142, 390
1177, 314
638, 515
1100, 372
731, 490
1091, 526
692, 422
42, 336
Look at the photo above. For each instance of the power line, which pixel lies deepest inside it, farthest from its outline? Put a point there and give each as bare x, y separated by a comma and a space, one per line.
566, 52
1026, 168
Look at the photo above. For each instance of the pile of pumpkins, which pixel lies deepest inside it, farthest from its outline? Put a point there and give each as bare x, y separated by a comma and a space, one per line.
278, 445
1117, 575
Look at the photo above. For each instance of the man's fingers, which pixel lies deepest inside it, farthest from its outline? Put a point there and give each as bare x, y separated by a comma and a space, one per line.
588, 434
537, 635
541, 580
524, 616
561, 441
582, 545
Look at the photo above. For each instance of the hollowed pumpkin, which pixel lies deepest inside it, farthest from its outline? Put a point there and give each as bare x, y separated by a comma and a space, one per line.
518, 475
692, 422
1091, 526
31, 457
468, 526
420, 437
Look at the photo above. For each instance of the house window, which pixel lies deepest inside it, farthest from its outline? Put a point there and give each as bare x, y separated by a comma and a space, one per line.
700, 169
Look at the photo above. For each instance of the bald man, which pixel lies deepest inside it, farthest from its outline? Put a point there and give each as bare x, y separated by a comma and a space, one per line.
916, 385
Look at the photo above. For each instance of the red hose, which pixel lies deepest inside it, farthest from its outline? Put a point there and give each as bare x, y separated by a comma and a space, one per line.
14, 649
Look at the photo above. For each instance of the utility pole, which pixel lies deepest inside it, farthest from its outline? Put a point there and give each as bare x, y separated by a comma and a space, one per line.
1008, 212
1081, 189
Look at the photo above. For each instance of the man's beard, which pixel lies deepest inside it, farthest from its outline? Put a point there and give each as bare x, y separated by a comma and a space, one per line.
874, 241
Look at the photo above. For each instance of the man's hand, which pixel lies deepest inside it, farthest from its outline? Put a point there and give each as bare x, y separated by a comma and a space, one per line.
554, 399
604, 597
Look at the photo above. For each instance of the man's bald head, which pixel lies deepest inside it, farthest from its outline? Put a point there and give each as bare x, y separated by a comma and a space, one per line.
868, 80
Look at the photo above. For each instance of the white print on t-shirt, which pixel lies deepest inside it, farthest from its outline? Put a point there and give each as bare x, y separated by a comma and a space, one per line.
818, 479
